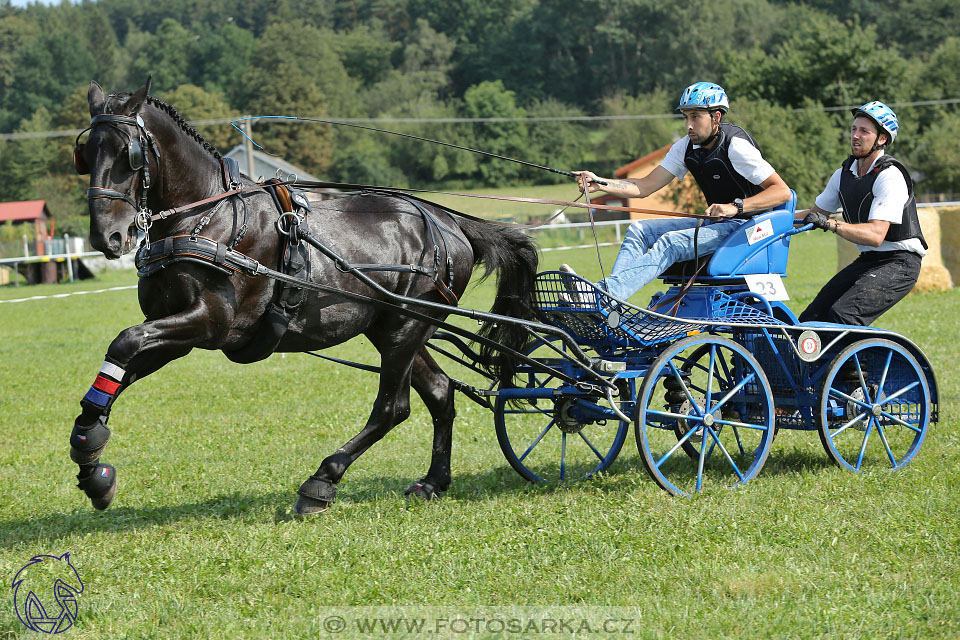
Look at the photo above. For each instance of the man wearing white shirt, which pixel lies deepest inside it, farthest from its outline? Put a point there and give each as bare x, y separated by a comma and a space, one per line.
736, 182
875, 193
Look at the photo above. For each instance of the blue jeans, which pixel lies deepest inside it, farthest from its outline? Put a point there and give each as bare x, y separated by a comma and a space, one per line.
651, 246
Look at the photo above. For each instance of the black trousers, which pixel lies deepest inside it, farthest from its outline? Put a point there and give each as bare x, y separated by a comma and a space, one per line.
865, 289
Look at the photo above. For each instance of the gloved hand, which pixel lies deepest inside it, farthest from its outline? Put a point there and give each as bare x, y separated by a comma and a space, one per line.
818, 220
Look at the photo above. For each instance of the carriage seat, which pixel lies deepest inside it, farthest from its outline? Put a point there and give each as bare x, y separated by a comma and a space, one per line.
761, 245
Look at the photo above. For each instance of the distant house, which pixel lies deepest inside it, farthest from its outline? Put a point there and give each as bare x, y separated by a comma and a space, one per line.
266, 166
33, 212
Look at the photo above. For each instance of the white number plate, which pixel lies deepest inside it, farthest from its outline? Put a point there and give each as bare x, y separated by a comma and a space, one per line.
769, 285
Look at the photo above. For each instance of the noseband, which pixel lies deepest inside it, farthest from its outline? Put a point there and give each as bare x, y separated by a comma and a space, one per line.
138, 157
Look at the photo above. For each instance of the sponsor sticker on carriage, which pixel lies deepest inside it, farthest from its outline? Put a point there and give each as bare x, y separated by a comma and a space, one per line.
769, 285
758, 232
808, 346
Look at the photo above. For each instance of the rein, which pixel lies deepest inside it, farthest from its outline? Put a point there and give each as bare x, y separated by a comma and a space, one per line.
564, 203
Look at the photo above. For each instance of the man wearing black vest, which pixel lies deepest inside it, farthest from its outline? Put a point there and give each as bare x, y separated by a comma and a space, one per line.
876, 196
730, 171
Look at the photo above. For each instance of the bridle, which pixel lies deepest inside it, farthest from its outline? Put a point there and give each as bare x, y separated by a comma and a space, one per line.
138, 157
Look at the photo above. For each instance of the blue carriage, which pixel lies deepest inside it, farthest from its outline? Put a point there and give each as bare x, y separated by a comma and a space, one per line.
707, 375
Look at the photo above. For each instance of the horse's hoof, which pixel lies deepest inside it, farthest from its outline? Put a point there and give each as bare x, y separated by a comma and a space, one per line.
100, 485
87, 444
423, 490
311, 506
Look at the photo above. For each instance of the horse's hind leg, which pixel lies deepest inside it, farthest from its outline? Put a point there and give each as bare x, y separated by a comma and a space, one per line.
436, 390
391, 407
135, 353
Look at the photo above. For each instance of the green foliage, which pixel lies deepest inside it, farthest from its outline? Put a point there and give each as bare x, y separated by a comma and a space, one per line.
46, 70
491, 100
938, 156
194, 103
628, 139
820, 59
807, 167
493, 58
166, 57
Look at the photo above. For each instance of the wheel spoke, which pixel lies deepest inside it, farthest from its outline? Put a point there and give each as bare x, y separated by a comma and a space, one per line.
563, 455
864, 405
673, 449
733, 465
686, 390
863, 384
901, 392
537, 441
886, 445
709, 394
675, 416
742, 425
846, 426
747, 379
901, 422
725, 369
883, 376
590, 444
700, 460
863, 447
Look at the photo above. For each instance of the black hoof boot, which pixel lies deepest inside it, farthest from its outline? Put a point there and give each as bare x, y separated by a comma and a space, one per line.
87, 443
315, 496
310, 506
423, 489
100, 485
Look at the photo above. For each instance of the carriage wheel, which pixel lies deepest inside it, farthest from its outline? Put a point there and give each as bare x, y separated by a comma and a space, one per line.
554, 438
704, 416
874, 406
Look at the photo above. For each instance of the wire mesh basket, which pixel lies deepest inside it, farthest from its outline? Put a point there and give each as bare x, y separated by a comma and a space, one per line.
594, 317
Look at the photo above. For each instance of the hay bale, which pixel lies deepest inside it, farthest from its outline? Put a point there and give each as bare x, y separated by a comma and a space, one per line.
934, 274
950, 240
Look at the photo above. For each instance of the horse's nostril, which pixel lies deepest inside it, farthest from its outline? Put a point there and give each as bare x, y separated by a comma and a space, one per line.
116, 240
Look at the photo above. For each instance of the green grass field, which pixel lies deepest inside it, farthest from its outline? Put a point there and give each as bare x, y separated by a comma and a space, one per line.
199, 542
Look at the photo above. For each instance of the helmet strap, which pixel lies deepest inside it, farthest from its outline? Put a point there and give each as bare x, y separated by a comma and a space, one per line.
716, 130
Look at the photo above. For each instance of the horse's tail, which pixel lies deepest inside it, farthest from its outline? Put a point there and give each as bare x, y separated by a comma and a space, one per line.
513, 255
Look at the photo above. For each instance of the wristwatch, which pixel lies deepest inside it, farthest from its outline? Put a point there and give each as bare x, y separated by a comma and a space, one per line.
739, 204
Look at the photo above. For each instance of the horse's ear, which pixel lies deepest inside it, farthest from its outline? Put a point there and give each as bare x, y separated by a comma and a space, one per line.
95, 97
138, 99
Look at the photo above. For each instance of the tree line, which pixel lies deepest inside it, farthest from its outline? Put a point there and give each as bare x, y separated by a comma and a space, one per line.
543, 64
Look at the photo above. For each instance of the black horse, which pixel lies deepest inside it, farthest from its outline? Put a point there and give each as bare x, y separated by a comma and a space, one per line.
145, 162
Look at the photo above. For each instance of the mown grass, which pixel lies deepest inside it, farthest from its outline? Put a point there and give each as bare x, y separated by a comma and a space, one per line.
200, 542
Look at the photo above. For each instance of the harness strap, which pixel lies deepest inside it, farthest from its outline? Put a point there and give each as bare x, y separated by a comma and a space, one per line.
169, 213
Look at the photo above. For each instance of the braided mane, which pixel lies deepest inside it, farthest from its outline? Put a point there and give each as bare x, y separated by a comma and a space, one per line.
171, 111
190, 131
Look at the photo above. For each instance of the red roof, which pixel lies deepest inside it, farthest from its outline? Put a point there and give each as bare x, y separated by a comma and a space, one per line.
26, 210
639, 162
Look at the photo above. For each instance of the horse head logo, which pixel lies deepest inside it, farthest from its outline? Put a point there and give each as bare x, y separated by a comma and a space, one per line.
43, 582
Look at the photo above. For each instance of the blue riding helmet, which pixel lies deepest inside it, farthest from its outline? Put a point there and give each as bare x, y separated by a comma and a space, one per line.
704, 95
882, 115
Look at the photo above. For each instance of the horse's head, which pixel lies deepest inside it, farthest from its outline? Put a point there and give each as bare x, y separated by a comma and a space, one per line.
119, 155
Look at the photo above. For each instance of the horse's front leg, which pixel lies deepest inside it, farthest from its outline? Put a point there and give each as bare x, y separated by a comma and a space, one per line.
135, 353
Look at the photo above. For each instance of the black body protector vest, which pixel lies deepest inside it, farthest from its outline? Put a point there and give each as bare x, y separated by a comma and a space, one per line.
856, 196
714, 173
